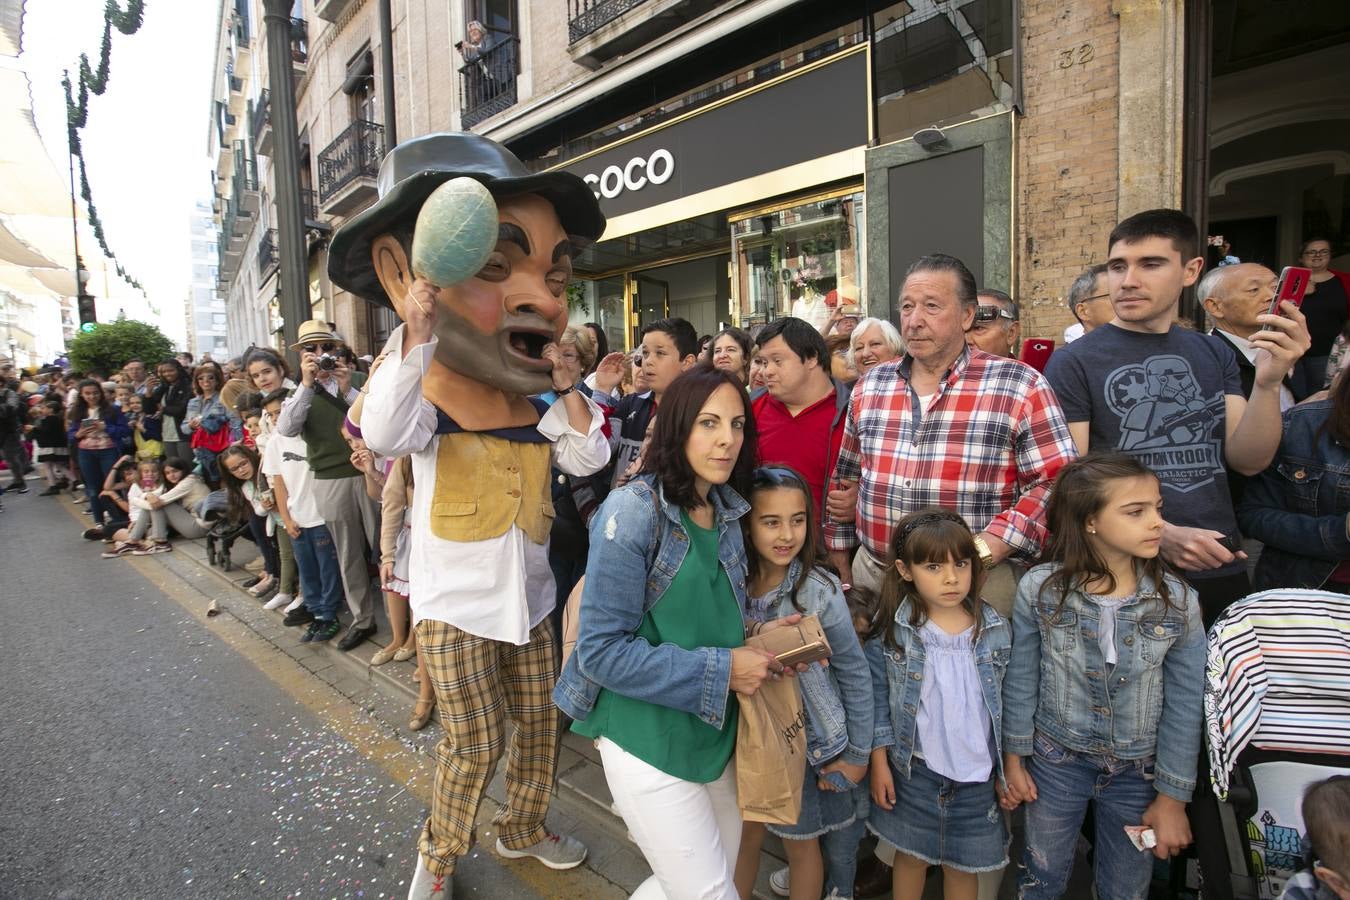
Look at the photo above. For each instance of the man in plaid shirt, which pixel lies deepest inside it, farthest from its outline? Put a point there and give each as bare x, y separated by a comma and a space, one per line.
950, 426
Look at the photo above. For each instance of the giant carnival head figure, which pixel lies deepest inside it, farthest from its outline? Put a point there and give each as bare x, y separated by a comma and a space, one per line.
464, 213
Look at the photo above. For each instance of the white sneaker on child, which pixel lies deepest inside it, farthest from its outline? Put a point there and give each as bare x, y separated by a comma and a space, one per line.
778, 882
279, 601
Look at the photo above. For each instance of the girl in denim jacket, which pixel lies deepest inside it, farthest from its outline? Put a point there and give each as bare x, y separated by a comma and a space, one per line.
1103, 693
937, 657
787, 576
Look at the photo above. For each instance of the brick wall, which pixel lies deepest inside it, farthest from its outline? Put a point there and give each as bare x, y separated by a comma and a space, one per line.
1067, 156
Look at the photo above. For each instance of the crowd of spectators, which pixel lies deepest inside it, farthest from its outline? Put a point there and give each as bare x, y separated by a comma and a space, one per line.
1238, 433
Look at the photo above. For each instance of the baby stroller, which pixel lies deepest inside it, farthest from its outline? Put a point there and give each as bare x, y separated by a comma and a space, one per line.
1277, 713
221, 533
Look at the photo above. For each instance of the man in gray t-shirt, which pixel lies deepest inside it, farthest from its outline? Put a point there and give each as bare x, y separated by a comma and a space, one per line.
1172, 398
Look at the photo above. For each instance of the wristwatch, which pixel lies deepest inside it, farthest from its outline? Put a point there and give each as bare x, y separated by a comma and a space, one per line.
565, 391
986, 555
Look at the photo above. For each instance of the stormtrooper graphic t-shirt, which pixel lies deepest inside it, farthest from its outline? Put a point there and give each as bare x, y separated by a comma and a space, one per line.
1159, 398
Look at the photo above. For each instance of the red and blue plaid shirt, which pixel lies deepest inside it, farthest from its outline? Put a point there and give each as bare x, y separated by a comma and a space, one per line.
987, 447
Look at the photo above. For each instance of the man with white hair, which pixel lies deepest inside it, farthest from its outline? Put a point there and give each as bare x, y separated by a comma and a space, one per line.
1234, 295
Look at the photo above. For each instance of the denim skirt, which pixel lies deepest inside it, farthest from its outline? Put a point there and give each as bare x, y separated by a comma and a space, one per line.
944, 822
824, 811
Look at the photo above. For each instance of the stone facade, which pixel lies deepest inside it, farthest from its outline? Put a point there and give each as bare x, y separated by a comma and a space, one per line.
1066, 153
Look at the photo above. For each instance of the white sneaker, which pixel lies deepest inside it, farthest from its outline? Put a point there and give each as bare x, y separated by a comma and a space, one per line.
295, 604
279, 601
778, 882
426, 886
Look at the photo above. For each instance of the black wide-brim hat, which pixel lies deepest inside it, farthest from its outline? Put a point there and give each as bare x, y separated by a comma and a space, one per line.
415, 168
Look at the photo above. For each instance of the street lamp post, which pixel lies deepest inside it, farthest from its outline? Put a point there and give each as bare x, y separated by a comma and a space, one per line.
286, 169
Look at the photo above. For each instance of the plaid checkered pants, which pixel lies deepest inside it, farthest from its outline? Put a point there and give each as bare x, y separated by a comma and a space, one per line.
479, 683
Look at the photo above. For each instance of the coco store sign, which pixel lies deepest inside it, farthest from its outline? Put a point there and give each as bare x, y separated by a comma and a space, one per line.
634, 175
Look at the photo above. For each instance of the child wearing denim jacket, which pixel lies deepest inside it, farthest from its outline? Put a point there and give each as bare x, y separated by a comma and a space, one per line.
937, 656
1104, 692
786, 576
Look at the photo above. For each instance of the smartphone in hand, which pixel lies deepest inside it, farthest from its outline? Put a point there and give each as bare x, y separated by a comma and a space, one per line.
1292, 286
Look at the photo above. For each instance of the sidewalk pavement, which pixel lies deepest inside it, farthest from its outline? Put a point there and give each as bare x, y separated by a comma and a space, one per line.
388, 693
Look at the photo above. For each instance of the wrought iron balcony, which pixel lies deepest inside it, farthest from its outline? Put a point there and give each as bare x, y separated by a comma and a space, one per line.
600, 30
309, 210
267, 254
587, 16
260, 123
349, 165
244, 183
299, 43
488, 82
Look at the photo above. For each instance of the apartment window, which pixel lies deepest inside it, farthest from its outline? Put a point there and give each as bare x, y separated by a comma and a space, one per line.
491, 59
941, 64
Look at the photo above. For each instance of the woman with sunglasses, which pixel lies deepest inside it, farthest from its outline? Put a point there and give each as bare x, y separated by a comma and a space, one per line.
211, 423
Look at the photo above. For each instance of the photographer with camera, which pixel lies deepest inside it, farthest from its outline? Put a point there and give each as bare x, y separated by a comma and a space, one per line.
315, 411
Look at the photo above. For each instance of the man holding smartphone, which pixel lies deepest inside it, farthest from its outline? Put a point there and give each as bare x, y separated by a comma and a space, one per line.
1235, 297
1173, 398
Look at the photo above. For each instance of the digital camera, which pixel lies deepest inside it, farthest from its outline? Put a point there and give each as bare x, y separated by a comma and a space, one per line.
328, 362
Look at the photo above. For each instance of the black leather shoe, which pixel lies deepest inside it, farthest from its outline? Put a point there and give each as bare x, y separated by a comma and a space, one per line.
298, 616
355, 636
873, 879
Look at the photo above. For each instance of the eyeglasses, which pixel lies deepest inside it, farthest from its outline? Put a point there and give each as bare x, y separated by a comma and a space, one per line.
1095, 297
986, 314
1316, 252
326, 347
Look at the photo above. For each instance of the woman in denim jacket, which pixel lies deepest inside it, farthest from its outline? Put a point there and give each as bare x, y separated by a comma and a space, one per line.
937, 655
1300, 507
1104, 691
208, 414
787, 577
658, 648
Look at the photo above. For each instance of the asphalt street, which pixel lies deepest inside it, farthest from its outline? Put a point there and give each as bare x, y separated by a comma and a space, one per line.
144, 756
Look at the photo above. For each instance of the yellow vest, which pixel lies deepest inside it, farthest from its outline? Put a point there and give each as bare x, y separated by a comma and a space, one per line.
485, 484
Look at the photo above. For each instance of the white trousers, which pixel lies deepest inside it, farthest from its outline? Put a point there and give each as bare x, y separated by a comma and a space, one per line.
689, 833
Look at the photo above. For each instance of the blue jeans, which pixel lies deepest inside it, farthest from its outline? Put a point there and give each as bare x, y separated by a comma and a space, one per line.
320, 575
94, 468
1065, 781
840, 850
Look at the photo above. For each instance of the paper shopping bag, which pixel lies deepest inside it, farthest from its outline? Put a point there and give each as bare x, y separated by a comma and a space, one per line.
771, 753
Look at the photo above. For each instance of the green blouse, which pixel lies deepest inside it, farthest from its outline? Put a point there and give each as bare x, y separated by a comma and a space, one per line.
699, 609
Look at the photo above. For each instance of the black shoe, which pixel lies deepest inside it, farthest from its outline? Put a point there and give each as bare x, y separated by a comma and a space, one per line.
298, 616
250, 582
322, 631
355, 636
51, 491
93, 534
873, 878
19, 490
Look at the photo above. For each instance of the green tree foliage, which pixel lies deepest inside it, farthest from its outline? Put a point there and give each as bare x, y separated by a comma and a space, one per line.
107, 348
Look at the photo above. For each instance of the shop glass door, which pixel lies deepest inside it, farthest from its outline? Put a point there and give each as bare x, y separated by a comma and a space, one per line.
651, 301
800, 260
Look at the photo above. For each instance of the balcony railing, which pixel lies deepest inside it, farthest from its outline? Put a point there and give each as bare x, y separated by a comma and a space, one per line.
309, 206
267, 254
488, 83
299, 42
587, 16
356, 153
260, 116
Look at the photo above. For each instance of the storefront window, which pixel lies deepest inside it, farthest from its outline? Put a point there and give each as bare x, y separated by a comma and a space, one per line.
800, 260
599, 301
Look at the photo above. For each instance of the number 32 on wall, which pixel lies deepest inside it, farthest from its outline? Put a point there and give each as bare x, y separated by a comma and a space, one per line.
1080, 55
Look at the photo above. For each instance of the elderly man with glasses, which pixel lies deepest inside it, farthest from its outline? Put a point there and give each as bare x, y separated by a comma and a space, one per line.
998, 327
1090, 302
